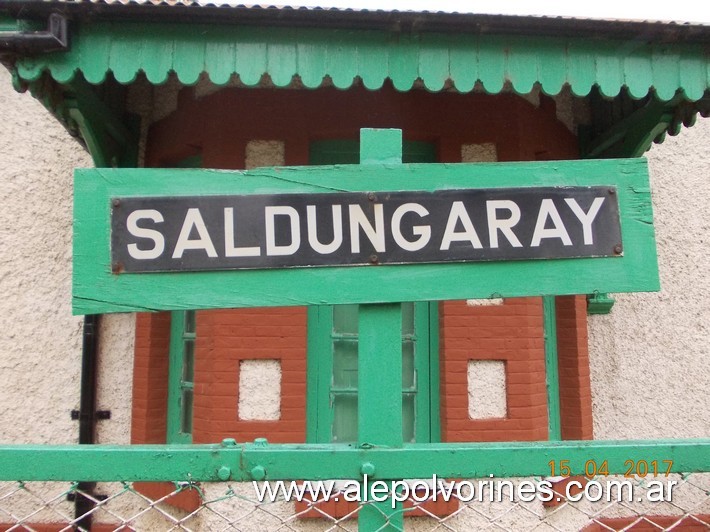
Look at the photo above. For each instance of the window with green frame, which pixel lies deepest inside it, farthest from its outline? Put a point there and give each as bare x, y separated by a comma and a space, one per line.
181, 368
332, 373
181, 376
333, 343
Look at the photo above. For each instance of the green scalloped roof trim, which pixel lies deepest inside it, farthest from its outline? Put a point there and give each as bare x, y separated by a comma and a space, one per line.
126, 48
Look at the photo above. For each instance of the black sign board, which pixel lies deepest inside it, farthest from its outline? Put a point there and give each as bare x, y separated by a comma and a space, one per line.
194, 233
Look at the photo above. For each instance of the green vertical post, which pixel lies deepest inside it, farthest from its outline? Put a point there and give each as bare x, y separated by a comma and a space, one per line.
379, 362
319, 374
380, 146
552, 374
379, 405
380, 375
180, 377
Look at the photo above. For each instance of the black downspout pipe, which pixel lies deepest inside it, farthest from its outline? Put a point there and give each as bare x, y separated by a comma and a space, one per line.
87, 414
55, 38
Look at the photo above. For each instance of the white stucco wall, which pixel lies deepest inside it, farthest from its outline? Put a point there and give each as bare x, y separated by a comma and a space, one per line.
117, 333
40, 350
650, 358
40, 344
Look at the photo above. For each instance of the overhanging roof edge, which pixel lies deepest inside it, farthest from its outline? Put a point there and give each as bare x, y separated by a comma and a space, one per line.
191, 11
438, 60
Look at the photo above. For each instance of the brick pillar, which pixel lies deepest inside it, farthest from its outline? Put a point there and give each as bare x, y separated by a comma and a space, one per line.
150, 378
573, 358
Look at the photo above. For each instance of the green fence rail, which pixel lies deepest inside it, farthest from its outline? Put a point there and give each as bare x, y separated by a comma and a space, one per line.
263, 461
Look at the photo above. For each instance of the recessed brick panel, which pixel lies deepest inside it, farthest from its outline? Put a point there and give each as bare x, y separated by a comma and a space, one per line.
512, 333
259, 390
225, 339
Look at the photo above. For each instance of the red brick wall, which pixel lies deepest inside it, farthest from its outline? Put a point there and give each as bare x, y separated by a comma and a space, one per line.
573, 363
224, 339
150, 378
512, 332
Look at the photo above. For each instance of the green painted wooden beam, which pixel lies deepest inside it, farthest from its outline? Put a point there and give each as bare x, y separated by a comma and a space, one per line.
380, 146
316, 461
379, 360
379, 369
434, 373
318, 427
476, 460
98, 290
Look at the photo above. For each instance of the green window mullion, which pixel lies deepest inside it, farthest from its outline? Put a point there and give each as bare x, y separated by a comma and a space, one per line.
344, 337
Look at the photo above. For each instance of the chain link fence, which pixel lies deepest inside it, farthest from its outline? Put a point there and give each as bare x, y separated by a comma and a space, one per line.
158, 506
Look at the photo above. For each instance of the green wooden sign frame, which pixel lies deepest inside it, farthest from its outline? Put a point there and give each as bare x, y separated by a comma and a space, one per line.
98, 290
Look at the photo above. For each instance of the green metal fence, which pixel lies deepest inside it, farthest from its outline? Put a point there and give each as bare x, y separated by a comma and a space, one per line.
43, 506
667, 485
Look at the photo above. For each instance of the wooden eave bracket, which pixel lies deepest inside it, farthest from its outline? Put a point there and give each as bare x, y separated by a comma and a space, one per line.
110, 138
634, 135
